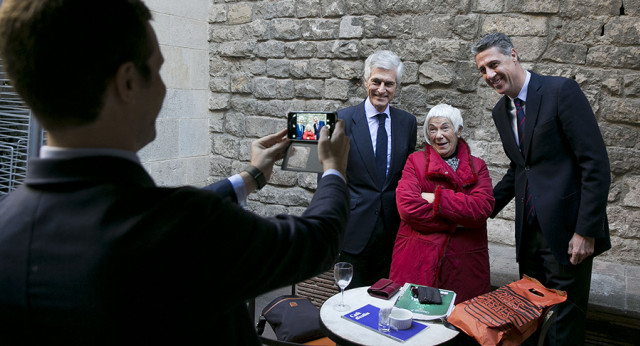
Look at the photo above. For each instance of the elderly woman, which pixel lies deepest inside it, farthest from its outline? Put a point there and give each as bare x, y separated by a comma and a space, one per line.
444, 199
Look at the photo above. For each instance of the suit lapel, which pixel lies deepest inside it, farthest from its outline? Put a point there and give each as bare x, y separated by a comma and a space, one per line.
532, 110
362, 141
502, 118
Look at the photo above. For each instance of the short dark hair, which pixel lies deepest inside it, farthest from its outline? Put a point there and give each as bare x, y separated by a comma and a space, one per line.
61, 54
496, 39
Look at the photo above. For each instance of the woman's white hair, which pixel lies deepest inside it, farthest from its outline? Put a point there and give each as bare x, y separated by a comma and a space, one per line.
445, 111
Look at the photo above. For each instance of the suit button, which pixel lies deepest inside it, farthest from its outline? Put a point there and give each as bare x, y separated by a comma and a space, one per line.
377, 211
526, 168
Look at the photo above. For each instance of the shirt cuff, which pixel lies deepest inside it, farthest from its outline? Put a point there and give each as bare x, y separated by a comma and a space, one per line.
334, 172
241, 191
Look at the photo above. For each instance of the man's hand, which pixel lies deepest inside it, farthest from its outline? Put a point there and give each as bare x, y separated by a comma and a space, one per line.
334, 152
580, 248
265, 152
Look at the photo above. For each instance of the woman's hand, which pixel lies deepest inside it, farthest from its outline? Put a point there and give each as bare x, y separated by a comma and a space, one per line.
428, 196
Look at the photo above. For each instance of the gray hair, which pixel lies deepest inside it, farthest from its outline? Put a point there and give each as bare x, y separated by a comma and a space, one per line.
386, 60
445, 111
497, 39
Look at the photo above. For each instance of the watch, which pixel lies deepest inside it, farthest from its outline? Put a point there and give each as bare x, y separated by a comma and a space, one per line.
257, 174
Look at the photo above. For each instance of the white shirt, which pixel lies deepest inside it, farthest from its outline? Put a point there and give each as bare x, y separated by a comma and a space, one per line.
523, 96
371, 112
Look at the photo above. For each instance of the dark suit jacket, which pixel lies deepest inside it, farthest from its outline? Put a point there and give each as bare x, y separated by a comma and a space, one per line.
368, 200
92, 252
566, 164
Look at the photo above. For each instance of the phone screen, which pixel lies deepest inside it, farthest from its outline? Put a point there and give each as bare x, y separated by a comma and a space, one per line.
306, 125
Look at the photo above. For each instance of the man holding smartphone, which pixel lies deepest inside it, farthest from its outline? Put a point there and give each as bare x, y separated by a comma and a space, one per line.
382, 137
92, 252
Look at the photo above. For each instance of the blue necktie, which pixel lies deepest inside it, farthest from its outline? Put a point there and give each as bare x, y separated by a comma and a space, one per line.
381, 150
529, 210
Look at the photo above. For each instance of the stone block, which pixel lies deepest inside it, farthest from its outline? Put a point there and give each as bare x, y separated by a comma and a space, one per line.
216, 122
632, 197
226, 146
222, 33
217, 13
239, 13
367, 46
623, 30
533, 6
612, 56
310, 88
274, 9
251, 66
625, 110
236, 49
466, 26
632, 84
269, 88
411, 49
489, 6
622, 223
608, 290
284, 29
278, 68
428, 26
221, 167
241, 83
261, 126
235, 124
308, 8
585, 31
337, 89
446, 50
345, 69
333, 8
218, 101
257, 29
219, 84
620, 135
196, 170
189, 33
166, 173
165, 145
285, 197
390, 27
589, 8
501, 231
566, 53
319, 29
218, 66
194, 137
515, 25
337, 49
320, 68
300, 50
193, 9
431, 73
351, 27
299, 69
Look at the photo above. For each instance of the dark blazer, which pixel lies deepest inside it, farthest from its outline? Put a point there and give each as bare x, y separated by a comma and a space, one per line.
368, 200
566, 164
92, 252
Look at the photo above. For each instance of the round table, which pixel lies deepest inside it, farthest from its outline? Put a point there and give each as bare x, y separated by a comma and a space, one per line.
346, 332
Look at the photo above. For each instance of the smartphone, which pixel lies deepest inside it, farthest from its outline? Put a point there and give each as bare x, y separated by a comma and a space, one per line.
306, 125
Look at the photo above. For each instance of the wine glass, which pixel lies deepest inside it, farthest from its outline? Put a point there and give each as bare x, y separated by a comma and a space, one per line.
342, 273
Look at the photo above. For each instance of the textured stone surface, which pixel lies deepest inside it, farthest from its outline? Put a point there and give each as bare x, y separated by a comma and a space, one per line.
266, 58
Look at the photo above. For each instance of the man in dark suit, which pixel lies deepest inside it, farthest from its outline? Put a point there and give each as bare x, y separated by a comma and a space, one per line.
559, 175
373, 176
91, 251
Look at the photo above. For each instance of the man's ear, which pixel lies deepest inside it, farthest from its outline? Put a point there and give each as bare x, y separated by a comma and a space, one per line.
125, 81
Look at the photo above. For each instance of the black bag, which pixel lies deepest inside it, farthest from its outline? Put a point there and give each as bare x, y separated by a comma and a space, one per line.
292, 318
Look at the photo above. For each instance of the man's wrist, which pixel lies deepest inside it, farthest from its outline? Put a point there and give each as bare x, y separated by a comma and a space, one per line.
257, 175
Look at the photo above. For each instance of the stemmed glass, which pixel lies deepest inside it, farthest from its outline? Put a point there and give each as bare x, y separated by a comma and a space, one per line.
342, 273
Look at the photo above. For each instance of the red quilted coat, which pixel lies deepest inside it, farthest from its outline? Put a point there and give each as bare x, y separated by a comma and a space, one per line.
444, 244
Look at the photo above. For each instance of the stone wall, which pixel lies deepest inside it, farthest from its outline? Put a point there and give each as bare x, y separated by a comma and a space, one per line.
270, 57
180, 153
